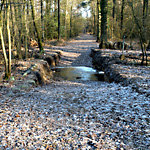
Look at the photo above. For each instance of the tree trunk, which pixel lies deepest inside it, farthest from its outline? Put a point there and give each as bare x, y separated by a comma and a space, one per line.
9, 39
55, 9
145, 16
144, 6
103, 39
1, 7
98, 20
27, 7
18, 12
2, 42
36, 28
58, 20
122, 15
4, 53
13, 30
4, 22
66, 32
71, 23
142, 35
25, 30
42, 20
94, 18
47, 14
114, 9
113, 16
142, 47
145, 10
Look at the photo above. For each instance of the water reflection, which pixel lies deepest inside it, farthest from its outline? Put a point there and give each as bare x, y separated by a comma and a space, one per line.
78, 73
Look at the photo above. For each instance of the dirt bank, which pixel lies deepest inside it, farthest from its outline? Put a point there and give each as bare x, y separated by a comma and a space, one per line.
123, 71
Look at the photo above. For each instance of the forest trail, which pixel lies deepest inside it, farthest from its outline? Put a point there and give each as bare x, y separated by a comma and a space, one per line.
77, 51
75, 114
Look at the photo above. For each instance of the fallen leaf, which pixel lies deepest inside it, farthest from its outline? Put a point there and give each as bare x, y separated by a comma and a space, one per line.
17, 115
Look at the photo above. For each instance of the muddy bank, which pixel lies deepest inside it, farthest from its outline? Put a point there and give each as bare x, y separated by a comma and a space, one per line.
122, 71
32, 72
41, 69
105, 62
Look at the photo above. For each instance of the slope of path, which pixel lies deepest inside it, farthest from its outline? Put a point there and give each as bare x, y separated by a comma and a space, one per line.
77, 51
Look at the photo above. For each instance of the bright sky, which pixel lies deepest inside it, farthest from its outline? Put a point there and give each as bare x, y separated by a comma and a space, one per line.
85, 11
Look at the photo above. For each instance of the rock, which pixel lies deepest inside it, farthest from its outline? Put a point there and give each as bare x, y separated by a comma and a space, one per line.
32, 82
24, 87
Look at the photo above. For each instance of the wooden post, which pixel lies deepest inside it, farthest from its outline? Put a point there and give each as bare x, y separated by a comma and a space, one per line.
122, 56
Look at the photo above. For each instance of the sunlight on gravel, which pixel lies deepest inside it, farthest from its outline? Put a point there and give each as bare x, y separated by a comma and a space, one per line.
76, 115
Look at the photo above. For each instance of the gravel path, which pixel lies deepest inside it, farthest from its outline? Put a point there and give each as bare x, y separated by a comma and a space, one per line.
77, 52
76, 115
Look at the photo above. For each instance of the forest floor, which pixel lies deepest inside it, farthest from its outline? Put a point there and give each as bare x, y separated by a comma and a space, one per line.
80, 115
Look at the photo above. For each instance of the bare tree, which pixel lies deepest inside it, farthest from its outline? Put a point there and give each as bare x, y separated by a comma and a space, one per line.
103, 39
142, 35
7, 61
71, 22
9, 39
122, 14
2, 41
36, 28
58, 20
42, 20
25, 29
98, 20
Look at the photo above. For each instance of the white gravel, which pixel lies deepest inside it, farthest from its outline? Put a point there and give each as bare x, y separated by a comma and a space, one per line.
86, 115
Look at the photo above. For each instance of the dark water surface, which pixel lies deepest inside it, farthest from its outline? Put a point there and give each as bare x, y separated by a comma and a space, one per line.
78, 73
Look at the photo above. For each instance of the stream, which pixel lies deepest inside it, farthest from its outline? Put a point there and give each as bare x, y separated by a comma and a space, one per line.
78, 73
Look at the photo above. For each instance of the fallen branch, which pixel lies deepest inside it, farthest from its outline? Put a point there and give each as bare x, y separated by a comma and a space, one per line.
29, 69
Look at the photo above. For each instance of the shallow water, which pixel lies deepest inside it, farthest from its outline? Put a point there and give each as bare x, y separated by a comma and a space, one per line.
78, 73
